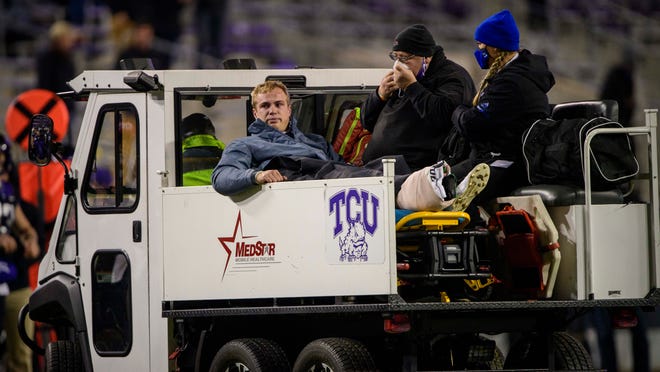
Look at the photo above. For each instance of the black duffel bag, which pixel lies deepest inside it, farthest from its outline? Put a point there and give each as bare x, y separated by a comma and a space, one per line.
553, 151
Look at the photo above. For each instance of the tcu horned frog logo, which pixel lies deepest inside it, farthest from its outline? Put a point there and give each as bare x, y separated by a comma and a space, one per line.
355, 218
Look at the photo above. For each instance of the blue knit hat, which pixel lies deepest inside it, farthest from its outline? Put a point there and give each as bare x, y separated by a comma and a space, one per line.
499, 31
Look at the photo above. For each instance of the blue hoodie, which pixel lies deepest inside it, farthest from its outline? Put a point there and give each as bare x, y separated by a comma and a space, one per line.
245, 156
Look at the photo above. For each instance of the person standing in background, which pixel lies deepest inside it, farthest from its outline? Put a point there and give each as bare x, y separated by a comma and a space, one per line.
605, 321
142, 46
210, 23
619, 85
56, 64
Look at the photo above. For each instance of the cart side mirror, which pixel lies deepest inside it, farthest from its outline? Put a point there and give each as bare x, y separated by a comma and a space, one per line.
40, 144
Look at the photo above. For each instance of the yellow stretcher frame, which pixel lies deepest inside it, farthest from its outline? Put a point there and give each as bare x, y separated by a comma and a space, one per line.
430, 220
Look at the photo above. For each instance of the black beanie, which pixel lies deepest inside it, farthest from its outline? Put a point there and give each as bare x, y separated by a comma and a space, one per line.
415, 39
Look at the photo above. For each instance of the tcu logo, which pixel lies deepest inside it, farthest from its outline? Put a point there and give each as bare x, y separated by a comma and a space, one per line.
355, 213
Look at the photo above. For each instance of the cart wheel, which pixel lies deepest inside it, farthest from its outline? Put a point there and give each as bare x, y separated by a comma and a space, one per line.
530, 352
63, 355
484, 354
334, 355
459, 352
250, 354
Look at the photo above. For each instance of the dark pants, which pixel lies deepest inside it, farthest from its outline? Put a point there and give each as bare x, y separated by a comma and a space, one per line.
602, 322
502, 182
316, 169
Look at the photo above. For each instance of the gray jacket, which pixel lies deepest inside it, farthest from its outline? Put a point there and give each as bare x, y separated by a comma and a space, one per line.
244, 157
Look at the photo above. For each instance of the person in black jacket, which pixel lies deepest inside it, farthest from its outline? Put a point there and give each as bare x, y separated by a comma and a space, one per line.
143, 46
619, 85
409, 113
55, 64
512, 95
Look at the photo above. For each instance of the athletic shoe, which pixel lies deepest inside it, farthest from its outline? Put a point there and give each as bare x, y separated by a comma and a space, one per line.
470, 187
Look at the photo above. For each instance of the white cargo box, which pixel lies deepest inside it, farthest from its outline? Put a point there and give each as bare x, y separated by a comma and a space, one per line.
619, 256
290, 239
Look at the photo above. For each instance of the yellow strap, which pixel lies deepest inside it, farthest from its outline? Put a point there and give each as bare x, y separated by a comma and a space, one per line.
359, 146
356, 119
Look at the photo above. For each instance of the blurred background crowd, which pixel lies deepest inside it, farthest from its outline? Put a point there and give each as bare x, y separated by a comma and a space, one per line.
582, 40
594, 48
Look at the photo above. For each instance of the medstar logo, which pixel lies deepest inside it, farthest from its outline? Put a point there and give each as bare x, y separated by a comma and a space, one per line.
246, 251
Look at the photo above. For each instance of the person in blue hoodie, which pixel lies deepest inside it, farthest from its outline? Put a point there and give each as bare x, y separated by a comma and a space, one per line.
510, 98
277, 151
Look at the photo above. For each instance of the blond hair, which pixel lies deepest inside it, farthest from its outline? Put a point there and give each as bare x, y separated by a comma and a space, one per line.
59, 29
267, 87
500, 61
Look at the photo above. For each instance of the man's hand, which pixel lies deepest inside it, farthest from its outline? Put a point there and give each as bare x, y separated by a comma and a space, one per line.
31, 245
7, 243
387, 86
403, 76
267, 176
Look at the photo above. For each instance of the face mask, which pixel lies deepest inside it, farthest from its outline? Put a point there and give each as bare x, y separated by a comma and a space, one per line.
481, 55
422, 70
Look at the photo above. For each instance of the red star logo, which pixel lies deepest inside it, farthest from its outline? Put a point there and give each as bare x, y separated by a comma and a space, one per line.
232, 239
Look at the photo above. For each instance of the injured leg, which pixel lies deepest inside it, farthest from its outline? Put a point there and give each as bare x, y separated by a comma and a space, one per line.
423, 189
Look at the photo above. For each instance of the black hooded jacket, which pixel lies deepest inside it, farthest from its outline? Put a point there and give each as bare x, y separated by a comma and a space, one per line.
514, 98
415, 124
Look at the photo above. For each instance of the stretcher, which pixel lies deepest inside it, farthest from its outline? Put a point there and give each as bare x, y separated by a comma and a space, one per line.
438, 257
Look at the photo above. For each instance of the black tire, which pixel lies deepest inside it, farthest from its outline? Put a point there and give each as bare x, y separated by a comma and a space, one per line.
471, 352
334, 355
250, 354
63, 356
530, 352
570, 353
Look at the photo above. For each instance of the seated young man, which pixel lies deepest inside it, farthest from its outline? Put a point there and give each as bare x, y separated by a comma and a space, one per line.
277, 151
